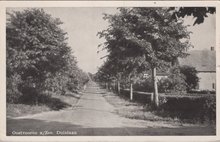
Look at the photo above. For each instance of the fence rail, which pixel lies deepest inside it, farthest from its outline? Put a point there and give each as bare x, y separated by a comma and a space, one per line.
141, 93
163, 95
133, 93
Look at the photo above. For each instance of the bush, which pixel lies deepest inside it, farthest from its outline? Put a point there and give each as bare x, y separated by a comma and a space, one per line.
164, 85
29, 96
185, 107
191, 77
145, 85
175, 82
202, 92
210, 108
13, 94
189, 108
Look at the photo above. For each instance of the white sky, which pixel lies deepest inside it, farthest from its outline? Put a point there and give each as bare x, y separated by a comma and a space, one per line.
82, 25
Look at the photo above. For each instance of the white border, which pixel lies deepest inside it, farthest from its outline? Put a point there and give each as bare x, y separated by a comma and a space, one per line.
5, 4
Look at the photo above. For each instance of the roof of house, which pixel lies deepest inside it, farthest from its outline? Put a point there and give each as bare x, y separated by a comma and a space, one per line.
202, 60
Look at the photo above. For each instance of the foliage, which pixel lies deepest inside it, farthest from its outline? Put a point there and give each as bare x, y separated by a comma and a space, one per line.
202, 91
189, 108
164, 85
198, 12
210, 108
144, 85
139, 39
181, 79
177, 80
145, 33
12, 91
37, 43
37, 51
191, 77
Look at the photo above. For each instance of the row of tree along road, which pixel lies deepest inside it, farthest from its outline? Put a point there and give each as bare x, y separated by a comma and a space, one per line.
39, 60
149, 41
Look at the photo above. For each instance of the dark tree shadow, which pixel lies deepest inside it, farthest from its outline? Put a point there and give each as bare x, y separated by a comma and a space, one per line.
48, 100
55, 103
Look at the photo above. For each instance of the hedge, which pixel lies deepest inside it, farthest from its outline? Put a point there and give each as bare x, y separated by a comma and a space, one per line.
189, 107
199, 108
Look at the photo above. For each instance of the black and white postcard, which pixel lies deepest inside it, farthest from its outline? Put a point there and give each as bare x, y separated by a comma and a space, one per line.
91, 71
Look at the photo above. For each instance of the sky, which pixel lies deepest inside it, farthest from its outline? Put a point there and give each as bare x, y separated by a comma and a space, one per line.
82, 26
83, 23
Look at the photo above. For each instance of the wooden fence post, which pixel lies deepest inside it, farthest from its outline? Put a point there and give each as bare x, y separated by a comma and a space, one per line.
131, 91
118, 88
152, 97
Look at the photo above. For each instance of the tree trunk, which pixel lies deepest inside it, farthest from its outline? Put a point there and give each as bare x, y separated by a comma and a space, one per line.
110, 86
36, 100
131, 91
106, 85
118, 88
155, 96
114, 86
36, 94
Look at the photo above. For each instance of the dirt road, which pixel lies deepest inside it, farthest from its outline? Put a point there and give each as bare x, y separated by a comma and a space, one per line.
93, 115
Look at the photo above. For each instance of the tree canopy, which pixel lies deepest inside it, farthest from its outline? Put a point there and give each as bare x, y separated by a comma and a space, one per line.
37, 43
191, 77
145, 38
38, 55
198, 12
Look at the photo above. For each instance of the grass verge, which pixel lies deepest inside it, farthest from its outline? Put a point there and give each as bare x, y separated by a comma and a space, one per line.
133, 110
15, 110
55, 102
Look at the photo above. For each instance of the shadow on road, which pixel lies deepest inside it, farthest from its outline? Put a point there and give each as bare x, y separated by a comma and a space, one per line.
55, 103
57, 129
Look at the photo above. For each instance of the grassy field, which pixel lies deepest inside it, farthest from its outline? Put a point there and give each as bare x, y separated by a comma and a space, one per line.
55, 102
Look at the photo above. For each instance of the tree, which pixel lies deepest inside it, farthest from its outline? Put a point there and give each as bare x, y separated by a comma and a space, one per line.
191, 77
148, 34
177, 80
38, 53
198, 12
